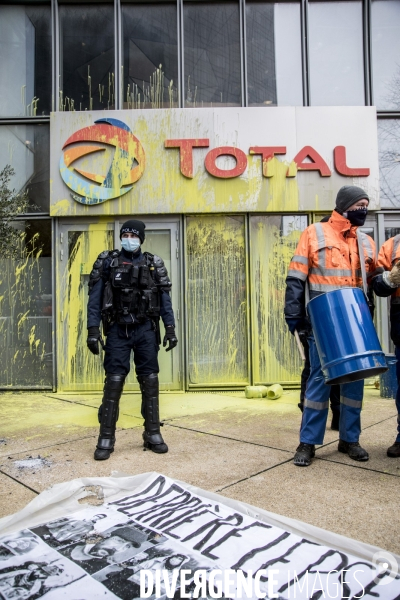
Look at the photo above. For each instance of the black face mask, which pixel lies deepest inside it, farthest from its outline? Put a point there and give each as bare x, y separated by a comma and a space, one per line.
357, 217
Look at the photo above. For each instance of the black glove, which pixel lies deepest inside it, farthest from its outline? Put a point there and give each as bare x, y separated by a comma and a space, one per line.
294, 323
170, 337
93, 340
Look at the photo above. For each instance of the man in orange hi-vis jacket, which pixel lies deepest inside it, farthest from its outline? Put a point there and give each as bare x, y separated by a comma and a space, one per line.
388, 257
327, 257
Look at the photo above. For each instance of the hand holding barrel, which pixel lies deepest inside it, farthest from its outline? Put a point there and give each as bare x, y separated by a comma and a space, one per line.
394, 275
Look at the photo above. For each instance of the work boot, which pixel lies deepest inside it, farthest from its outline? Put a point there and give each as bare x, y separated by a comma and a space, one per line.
335, 420
354, 450
394, 451
152, 438
304, 454
108, 415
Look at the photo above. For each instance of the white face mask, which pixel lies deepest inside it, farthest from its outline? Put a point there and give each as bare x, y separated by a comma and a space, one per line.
130, 244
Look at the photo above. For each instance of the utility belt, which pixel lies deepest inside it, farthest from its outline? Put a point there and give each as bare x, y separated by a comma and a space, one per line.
130, 295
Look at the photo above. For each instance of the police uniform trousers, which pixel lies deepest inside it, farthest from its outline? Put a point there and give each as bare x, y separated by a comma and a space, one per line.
122, 340
316, 404
397, 353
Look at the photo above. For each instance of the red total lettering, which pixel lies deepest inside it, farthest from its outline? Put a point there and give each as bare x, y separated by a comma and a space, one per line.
186, 152
339, 155
268, 153
317, 164
239, 155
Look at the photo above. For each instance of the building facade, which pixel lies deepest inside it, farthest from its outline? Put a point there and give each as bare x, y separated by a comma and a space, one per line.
227, 127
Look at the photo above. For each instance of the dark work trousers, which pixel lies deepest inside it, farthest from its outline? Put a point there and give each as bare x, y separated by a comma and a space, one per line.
334, 395
397, 352
121, 341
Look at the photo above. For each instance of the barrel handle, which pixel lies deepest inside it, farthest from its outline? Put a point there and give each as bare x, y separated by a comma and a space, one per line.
299, 345
362, 263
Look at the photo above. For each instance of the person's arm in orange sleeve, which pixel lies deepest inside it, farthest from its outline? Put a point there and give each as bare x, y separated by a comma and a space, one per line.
382, 283
295, 305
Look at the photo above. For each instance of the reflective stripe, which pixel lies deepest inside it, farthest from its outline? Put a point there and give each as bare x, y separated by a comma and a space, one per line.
303, 260
297, 274
319, 230
396, 242
331, 272
350, 402
324, 287
367, 245
316, 405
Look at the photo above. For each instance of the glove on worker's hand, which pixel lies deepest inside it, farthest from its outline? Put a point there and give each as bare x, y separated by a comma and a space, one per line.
294, 324
93, 340
170, 337
394, 275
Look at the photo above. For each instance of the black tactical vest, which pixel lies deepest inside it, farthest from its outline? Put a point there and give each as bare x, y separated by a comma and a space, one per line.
135, 293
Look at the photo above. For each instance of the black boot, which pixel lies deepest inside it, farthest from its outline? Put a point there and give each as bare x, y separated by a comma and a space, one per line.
335, 420
354, 450
394, 451
304, 454
108, 415
152, 438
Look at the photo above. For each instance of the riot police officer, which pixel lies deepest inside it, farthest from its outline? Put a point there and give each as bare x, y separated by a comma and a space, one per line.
129, 292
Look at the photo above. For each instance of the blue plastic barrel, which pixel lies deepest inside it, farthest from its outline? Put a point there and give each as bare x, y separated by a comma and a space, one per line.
345, 336
388, 380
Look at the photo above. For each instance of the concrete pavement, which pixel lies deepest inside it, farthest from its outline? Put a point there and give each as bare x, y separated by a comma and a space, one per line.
218, 441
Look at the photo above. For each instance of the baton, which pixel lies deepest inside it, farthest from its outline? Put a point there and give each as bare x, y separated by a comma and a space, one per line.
299, 345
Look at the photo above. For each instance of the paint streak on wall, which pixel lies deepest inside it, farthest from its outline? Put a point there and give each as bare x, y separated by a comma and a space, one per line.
25, 318
273, 242
216, 300
78, 368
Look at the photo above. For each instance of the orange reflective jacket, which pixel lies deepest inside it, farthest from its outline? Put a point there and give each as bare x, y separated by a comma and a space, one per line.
327, 256
388, 255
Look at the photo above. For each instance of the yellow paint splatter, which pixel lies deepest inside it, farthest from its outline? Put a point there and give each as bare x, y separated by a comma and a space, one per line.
216, 300
273, 242
25, 333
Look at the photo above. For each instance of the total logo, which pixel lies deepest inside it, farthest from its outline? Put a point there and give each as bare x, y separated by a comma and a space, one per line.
127, 164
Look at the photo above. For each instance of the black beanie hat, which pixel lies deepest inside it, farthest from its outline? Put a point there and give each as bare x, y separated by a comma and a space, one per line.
133, 226
349, 195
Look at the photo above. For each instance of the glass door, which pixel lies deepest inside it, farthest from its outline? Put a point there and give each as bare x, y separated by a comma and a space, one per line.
273, 240
79, 244
217, 316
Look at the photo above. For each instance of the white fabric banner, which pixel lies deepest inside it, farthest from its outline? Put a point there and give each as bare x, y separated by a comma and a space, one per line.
150, 536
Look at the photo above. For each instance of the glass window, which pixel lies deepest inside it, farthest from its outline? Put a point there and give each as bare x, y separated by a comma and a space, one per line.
26, 310
336, 54
273, 242
274, 71
385, 21
25, 66
212, 54
87, 57
150, 56
27, 149
216, 301
389, 162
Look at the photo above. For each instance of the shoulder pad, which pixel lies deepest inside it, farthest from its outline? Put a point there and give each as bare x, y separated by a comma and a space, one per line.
161, 273
97, 271
158, 261
149, 257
